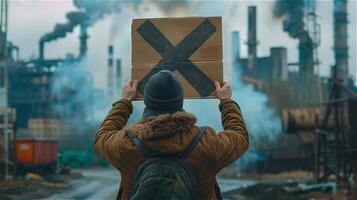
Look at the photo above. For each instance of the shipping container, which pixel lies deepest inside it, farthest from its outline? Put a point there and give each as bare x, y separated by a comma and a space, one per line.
37, 155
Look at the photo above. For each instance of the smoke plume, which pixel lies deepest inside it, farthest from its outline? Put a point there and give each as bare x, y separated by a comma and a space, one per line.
142, 9
61, 29
89, 12
292, 12
261, 120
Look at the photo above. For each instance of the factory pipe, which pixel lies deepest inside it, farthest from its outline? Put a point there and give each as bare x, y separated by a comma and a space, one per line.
297, 119
41, 50
252, 36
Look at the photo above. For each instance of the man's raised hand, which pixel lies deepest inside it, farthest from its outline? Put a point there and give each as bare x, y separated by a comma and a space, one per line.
129, 90
223, 92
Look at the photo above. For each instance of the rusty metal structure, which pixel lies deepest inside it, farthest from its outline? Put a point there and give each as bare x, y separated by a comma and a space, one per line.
300, 95
7, 144
295, 120
336, 150
314, 29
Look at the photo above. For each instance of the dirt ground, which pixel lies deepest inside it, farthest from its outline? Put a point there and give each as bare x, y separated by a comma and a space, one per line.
265, 191
279, 186
89, 184
35, 189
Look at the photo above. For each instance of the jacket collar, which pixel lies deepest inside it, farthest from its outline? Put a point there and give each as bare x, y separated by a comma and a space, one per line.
166, 125
151, 113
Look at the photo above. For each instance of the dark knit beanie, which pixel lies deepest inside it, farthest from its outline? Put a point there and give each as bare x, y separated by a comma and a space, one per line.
164, 92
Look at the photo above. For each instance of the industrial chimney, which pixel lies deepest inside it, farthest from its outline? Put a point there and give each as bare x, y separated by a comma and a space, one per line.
235, 47
306, 66
41, 50
110, 71
279, 63
306, 59
252, 37
83, 37
118, 75
340, 37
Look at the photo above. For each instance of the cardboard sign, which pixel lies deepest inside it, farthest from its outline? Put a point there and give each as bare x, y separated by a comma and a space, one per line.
191, 47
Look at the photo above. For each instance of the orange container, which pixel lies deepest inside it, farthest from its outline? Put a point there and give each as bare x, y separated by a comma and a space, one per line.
34, 152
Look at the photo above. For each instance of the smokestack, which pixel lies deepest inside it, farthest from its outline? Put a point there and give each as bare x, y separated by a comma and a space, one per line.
118, 75
306, 60
118, 69
306, 64
110, 71
279, 63
41, 50
340, 37
252, 35
235, 47
83, 37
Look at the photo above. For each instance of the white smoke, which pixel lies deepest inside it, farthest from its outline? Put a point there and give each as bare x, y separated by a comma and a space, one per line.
258, 116
261, 120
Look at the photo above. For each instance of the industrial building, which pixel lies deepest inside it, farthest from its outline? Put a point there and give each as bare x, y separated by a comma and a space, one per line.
319, 125
46, 99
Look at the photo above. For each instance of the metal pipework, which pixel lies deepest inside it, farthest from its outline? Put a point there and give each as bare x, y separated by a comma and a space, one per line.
298, 119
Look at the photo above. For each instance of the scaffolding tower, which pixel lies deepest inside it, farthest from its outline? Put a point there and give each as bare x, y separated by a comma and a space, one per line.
7, 115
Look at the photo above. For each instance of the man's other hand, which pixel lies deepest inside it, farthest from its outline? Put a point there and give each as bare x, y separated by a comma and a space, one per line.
129, 90
224, 92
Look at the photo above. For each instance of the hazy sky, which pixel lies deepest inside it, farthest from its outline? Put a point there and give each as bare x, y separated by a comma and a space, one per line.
30, 19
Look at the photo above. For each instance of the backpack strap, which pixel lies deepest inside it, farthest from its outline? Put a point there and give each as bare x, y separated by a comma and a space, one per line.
149, 153
143, 148
185, 153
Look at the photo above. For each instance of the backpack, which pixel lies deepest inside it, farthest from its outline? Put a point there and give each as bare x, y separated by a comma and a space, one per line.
165, 176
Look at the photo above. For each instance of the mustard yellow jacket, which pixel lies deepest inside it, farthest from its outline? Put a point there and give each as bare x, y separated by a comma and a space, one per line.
168, 134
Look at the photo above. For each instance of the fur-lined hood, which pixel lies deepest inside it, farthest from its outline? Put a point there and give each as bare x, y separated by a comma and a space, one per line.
161, 126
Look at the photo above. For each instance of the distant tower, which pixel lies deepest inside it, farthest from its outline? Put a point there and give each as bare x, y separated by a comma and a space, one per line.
111, 71
313, 89
340, 37
118, 75
3, 54
252, 37
236, 68
235, 47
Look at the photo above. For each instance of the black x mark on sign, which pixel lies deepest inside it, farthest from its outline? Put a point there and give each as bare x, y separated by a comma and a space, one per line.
177, 57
